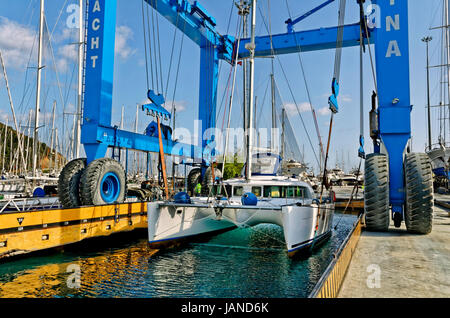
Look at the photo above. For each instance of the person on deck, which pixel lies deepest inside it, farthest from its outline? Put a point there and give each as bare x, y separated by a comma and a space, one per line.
198, 189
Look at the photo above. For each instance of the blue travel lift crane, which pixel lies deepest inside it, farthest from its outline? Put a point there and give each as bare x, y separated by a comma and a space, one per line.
395, 179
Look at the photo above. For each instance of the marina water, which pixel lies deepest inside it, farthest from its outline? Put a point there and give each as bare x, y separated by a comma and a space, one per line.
245, 262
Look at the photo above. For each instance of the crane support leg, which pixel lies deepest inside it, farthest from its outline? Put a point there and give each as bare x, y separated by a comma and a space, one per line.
99, 74
392, 64
209, 71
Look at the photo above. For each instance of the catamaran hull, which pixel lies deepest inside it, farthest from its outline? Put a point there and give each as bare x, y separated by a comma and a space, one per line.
303, 226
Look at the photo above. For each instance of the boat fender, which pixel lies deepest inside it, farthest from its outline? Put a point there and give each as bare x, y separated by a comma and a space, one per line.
249, 199
182, 197
38, 193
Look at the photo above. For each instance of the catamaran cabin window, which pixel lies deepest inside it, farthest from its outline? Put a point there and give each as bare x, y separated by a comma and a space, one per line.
257, 191
286, 192
238, 191
273, 192
296, 192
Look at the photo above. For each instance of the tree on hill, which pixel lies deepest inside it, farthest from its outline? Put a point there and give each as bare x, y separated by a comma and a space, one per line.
10, 157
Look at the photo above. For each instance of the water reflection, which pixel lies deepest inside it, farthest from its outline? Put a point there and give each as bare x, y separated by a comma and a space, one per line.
241, 263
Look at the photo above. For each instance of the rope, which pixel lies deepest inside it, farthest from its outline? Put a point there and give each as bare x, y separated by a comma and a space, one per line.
361, 89
293, 97
366, 30
176, 76
339, 42
239, 32
150, 46
159, 47
351, 196
145, 45
171, 56
337, 69
154, 52
316, 124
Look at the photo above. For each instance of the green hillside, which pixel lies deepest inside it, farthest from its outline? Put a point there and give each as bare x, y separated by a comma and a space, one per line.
9, 148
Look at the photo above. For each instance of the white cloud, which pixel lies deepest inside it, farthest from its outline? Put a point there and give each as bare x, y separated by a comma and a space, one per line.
291, 108
346, 98
123, 35
62, 65
179, 105
67, 35
66, 54
324, 111
4, 117
69, 51
16, 42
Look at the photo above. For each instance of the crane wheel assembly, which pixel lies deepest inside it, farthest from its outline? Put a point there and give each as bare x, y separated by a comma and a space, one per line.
103, 182
194, 177
376, 192
68, 183
419, 193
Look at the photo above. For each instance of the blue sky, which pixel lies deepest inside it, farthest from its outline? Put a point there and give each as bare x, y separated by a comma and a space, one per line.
18, 28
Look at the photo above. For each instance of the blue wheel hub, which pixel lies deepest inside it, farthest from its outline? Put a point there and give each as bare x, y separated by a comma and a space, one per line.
110, 187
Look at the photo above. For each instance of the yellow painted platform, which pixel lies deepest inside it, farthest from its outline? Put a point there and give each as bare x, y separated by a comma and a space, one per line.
25, 232
354, 207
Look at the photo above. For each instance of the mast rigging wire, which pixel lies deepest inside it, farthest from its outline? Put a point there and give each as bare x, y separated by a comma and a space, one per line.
316, 124
292, 94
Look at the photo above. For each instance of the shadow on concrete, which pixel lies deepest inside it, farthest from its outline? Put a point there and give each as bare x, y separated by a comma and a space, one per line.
392, 232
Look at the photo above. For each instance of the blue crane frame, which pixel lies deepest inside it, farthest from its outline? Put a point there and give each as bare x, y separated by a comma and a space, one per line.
390, 39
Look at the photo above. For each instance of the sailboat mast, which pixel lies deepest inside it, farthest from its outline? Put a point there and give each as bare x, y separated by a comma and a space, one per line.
447, 49
76, 148
283, 115
5, 140
244, 12
427, 40
251, 48
38, 89
136, 130
52, 135
274, 114
19, 139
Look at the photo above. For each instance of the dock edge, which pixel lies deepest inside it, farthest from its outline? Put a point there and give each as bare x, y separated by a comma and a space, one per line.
331, 280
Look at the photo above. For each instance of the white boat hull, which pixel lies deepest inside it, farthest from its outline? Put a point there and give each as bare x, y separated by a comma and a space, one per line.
170, 223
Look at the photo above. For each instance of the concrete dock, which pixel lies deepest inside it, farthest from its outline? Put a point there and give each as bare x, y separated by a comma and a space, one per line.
398, 264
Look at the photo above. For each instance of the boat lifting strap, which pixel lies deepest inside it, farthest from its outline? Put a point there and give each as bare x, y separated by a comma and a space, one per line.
332, 100
362, 35
162, 159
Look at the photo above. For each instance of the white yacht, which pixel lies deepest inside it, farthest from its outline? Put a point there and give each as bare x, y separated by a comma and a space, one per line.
440, 160
287, 202
292, 167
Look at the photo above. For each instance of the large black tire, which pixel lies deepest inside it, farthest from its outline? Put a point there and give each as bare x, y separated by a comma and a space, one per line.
194, 177
68, 183
208, 181
376, 193
419, 193
91, 186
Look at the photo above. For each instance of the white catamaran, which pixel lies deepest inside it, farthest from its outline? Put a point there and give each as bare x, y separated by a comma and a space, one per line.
287, 202
257, 198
